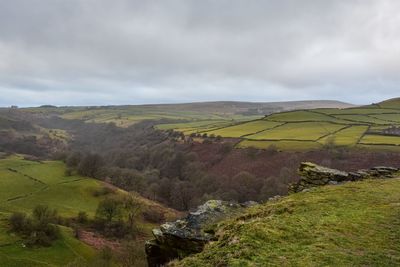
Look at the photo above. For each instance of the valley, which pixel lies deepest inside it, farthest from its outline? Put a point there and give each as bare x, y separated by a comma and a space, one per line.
169, 159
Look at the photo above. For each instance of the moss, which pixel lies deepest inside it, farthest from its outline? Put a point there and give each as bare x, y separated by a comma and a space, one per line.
356, 224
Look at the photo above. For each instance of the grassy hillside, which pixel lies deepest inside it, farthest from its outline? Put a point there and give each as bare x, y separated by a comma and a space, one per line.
312, 129
203, 113
355, 224
25, 184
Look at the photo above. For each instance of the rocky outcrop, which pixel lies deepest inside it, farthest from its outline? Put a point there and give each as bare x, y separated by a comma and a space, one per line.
312, 175
188, 235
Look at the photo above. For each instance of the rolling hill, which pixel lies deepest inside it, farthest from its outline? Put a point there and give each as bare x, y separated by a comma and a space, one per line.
25, 184
355, 224
229, 111
363, 127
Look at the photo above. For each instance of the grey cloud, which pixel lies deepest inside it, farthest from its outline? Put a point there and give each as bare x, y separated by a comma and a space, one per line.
126, 51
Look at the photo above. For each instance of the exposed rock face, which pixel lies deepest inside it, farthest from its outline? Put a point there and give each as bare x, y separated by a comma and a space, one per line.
312, 175
188, 235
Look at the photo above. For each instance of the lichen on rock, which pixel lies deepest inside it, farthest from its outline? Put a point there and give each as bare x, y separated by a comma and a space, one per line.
188, 235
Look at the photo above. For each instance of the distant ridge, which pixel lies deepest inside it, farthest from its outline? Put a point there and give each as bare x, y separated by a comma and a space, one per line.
238, 106
390, 103
235, 106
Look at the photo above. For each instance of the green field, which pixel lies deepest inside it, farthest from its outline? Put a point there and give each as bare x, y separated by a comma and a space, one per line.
286, 145
310, 129
25, 184
347, 136
302, 115
371, 139
243, 129
303, 131
124, 116
63, 251
355, 224
288, 130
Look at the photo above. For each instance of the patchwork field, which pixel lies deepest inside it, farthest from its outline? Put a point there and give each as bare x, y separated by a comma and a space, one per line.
208, 112
312, 129
25, 184
254, 124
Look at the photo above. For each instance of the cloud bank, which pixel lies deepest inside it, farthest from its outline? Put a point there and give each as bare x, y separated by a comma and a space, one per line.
92, 52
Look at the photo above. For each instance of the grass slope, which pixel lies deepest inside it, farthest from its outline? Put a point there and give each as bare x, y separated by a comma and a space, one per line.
25, 184
356, 224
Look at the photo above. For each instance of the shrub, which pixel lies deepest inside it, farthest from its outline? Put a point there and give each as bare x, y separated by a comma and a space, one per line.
116, 229
18, 221
104, 258
226, 148
68, 172
252, 152
82, 217
154, 216
207, 141
91, 165
43, 235
38, 229
44, 215
103, 191
109, 209
272, 150
132, 254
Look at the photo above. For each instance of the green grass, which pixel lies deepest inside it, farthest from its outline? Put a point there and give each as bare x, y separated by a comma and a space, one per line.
346, 137
303, 130
33, 183
302, 115
25, 184
307, 131
245, 128
125, 116
370, 139
391, 103
195, 126
355, 224
281, 145
367, 110
364, 119
388, 117
64, 250
292, 130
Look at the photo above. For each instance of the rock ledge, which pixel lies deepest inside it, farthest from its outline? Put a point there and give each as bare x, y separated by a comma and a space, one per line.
188, 235
312, 175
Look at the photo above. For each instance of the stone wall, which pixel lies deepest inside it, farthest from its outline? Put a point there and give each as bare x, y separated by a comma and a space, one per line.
312, 175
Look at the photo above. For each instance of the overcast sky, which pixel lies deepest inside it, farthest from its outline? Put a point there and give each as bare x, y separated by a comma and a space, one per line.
93, 52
